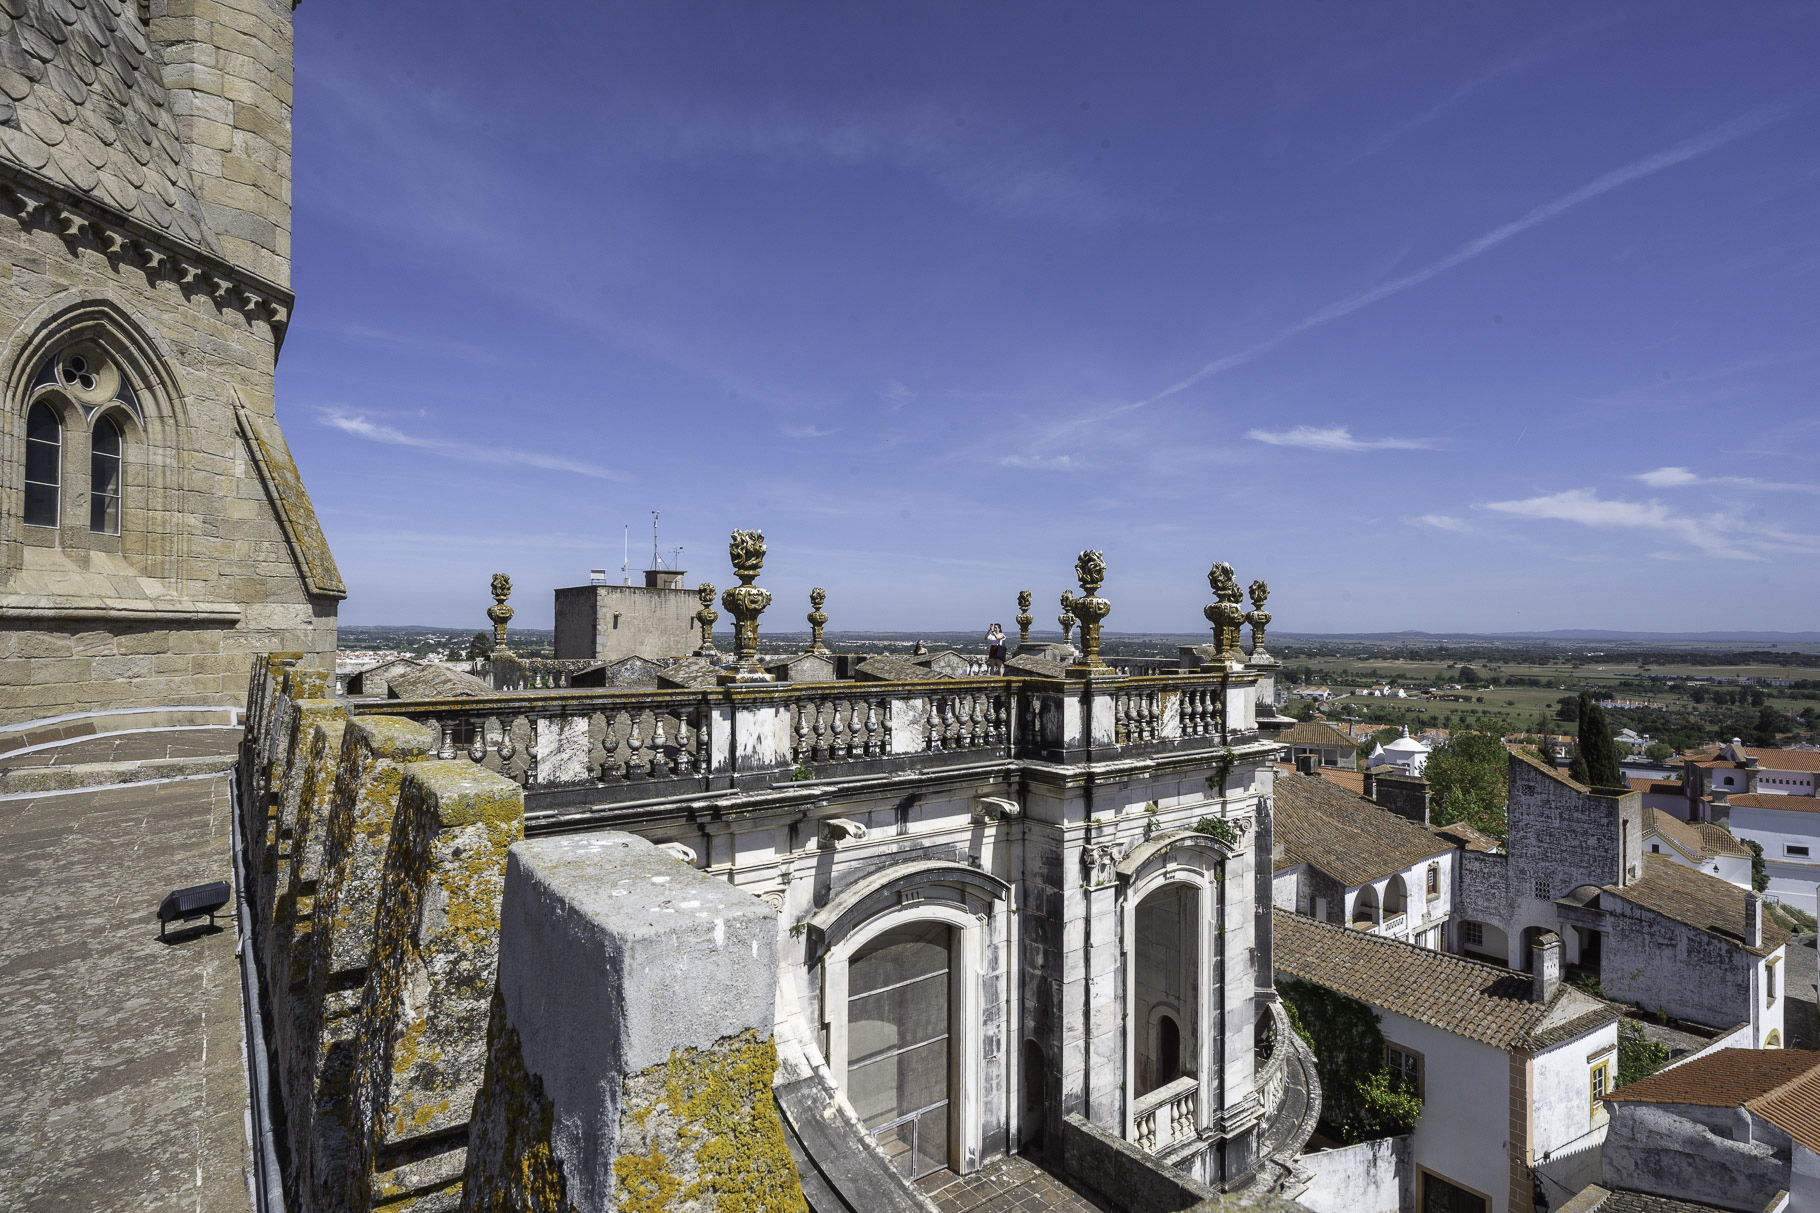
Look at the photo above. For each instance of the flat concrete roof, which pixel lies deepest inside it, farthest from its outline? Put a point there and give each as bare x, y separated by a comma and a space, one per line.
122, 1085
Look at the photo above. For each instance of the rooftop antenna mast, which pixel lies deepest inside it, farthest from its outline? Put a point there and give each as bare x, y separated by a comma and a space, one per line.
677, 562
657, 562
625, 559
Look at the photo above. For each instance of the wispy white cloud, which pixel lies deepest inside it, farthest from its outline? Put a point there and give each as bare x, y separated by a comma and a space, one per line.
468, 452
804, 432
1724, 536
975, 156
1044, 463
896, 394
1442, 522
1680, 478
1648, 166
1337, 439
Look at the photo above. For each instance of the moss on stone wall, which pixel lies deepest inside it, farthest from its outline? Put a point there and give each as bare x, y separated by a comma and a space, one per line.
701, 1131
512, 1167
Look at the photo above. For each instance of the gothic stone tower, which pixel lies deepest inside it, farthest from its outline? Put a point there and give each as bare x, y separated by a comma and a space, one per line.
154, 531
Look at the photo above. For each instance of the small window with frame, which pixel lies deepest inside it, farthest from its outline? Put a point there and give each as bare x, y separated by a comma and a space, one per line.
1473, 934
1601, 1085
1434, 880
1405, 1066
1799, 852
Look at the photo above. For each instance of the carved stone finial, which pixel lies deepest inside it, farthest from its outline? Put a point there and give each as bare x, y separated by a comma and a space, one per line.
1091, 609
746, 602
1024, 618
1224, 613
1066, 618
499, 612
706, 617
1258, 618
818, 619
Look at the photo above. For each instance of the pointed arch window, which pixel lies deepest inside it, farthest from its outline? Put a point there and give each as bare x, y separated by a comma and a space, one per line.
43, 465
104, 478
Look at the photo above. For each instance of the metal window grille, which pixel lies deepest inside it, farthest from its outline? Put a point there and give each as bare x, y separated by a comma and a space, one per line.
898, 1014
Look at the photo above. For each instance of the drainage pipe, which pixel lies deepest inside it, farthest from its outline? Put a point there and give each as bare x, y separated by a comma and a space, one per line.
267, 1181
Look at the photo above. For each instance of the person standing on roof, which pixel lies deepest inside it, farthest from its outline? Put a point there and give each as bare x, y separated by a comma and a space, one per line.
995, 650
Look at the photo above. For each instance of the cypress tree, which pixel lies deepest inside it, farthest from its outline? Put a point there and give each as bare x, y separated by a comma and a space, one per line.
1576, 769
1597, 747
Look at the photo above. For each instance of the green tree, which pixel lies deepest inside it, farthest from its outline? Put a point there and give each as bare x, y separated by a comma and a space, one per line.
1659, 751
1359, 1096
480, 647
1768, 726
1638, 1056
1469, 774
1597, 746
1759, 871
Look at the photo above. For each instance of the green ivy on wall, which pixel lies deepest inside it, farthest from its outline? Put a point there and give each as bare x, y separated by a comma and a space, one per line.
1360, 1098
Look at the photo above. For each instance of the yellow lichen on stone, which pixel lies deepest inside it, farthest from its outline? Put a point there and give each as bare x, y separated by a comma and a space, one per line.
729, 1153
512, 1167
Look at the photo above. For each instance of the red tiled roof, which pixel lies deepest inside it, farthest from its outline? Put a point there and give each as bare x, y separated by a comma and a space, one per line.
1794, 1108
1788, 804
1344, 835
1697, 899
1315, 733
1785, 760
1656, 787
1478, 1001
1724, 1078
1700, 840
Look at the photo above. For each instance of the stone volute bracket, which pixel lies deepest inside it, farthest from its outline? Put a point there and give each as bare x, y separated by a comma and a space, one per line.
994, 808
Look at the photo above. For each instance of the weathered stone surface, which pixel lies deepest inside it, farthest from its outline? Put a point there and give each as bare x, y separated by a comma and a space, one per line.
422, 1042
632, 1059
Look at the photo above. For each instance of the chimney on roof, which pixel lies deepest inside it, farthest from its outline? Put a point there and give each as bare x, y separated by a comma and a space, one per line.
1750, 762
1308, 764
1545, 964
1371, 787
1753, 920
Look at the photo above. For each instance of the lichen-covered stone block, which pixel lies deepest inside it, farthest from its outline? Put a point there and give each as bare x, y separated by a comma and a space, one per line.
368, 781
630, 1053
305, 715
421, 1048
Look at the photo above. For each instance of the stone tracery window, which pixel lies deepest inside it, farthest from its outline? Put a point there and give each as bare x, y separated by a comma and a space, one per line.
43, 465
104, 478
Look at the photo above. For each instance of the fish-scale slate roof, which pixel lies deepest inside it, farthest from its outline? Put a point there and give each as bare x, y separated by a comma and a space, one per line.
1704, 902
1478, 1001
82, 103
1344, 835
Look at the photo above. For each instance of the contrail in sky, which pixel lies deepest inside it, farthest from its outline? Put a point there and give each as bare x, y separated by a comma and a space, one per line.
1698, 146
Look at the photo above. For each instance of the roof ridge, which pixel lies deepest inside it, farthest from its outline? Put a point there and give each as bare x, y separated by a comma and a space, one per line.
1782, 1088
1456, 958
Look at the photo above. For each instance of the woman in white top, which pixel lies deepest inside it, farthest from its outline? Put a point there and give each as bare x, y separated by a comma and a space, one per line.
995, 650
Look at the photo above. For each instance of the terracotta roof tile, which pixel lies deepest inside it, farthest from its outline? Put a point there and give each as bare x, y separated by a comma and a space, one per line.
1601, 1200
1762, 800
1698, 840
1343, 834
1478, 1001
1462, 835
1702, 901
1314, 733
1785, 760
1724, 1078
1794, 1107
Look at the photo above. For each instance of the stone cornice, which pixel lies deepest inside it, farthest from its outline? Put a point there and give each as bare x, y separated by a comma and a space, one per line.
79, 220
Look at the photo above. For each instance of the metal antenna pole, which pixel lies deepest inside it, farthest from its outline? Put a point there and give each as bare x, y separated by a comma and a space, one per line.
625, 555
657, 562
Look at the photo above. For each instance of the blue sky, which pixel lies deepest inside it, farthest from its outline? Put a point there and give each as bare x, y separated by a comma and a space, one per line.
1443, 316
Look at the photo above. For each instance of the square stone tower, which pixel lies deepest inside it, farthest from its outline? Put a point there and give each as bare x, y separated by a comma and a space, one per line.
154, 531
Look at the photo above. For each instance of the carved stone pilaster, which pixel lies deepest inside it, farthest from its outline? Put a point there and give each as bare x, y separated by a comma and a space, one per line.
818, 619
746, 602
500, 613
1091, 609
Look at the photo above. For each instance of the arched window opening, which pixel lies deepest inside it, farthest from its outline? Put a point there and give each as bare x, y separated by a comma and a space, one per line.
1168, 1051
1166, 981
43, 465
899, 1012
104, 478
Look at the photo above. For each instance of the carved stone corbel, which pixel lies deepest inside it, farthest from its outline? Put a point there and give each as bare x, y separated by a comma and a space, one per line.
994, 808
73, 224
149, 256
836, 830
25, 204
680, 851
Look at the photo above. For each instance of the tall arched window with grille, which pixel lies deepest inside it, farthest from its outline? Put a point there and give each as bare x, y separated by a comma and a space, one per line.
104, 478
43, 465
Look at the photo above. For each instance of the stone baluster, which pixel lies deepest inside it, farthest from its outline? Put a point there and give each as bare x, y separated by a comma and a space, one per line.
871, 728
799, 752
684, 756
819, 750
609, 745
635, 744
935, 724
837, 749
659, 763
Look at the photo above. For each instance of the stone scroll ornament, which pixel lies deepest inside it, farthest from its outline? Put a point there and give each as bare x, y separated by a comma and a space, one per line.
706, 617
1224, 613
746, 602
818, 619
1258, 618
1090, 609
1024, 618
499, 612
1066, 618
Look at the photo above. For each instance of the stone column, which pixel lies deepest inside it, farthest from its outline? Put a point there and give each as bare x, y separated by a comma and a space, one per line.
421, 1046
630, 1058
368, 780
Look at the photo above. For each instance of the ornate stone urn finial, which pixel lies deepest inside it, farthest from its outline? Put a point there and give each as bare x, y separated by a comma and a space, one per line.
746, 602
706, 617
818, 619
1258, 618
1224, 613
1066, 618
1024, 618
499, 612
1090, 571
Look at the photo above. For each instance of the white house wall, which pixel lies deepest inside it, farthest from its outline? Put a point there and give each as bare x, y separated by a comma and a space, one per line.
1465, 1121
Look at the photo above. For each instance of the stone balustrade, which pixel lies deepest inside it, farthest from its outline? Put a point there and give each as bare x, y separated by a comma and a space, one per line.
615, 744
1167, 1116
